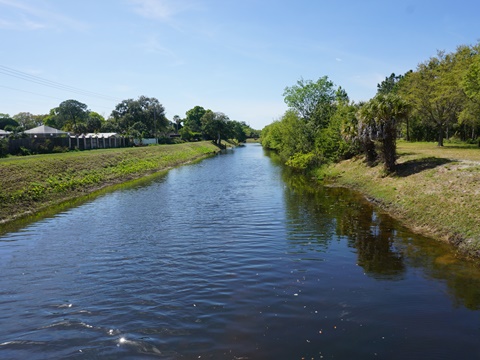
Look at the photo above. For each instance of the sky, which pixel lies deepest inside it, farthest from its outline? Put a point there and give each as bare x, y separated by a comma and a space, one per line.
231, 56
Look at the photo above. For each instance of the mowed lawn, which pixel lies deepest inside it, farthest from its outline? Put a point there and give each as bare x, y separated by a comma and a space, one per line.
32, 183
435, 190
467, 152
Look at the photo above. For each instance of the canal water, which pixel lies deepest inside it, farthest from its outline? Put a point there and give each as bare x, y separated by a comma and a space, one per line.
233, 258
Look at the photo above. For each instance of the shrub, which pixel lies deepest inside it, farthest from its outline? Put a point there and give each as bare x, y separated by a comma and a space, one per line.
23, 151
3, 148
301, 161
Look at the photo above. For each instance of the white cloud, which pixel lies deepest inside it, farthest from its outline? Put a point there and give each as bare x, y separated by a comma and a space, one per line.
153, 46
161, 9
27, 17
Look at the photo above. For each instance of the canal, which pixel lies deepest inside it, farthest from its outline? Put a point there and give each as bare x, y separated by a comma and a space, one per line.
233, 257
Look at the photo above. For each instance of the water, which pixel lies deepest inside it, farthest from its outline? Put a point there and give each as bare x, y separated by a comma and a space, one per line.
233, 258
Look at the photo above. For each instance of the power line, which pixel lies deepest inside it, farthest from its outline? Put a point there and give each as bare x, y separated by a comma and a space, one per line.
30, 92
53, 84
34, 93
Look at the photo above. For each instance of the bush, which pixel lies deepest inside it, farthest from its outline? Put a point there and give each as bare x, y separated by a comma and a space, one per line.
300, 161
23, 151
3, 148
46, 147
59, 149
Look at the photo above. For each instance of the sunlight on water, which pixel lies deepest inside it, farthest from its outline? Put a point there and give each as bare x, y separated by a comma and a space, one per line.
232, 258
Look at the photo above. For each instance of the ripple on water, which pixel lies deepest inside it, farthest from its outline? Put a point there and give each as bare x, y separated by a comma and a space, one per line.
223, 261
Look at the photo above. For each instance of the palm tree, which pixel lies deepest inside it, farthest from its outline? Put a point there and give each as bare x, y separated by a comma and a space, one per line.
380, 116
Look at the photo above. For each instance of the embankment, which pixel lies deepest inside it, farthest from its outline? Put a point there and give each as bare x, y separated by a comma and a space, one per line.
435, 191
31, 184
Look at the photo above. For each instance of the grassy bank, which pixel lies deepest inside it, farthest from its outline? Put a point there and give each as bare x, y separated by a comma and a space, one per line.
435, 191
33, 183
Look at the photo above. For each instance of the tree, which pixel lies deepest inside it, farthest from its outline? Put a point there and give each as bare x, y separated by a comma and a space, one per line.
471, 79
288, 137
470, 114
194, 118
381, 115
435, 93
177, 120
145, 110
237, 130
314, 104
389, 85
27, 120
214, 125
271, 136
69, 114
94, 122
7, 120
313, 101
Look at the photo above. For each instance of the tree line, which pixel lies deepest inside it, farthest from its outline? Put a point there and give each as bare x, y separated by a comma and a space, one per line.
439, 99
136, 118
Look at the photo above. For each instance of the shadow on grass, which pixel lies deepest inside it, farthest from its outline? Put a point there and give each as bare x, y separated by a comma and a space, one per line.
418, 165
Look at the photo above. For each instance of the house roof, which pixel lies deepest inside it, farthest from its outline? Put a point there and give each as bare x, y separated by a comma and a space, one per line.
3, 132
43, 129
100, 135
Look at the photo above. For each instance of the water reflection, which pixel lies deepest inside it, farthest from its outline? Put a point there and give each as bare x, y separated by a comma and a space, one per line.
372, 236
440, 262
255, 263
384, 249
330, 213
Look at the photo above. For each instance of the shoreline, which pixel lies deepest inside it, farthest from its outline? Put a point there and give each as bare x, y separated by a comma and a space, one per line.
434, 196
33, 187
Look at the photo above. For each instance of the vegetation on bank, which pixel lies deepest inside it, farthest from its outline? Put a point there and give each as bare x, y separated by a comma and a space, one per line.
440, 100
136, 119
34, 183
433, 191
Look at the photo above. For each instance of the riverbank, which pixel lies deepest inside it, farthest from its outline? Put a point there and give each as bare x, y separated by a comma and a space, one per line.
435, 191
31, 184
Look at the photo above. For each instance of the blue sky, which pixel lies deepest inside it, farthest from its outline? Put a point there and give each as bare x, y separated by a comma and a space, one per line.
233, 56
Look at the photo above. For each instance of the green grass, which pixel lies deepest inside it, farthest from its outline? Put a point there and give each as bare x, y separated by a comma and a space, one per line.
435, 191
34, 183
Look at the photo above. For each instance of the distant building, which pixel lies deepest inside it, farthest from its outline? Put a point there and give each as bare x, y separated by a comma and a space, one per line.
3, 133
44, 132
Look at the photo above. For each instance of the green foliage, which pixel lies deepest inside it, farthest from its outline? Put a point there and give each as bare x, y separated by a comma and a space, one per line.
379, 118
94, 122
237, 130
471, 79
310, 132
288, 136
31, 183
144, 110
69, 114
271, 137
440, 98
5, 121
442, 90
23, 151
249, 132
27, 120
177, 121
194, 118
3, 148
215, 126
313, 101
188, 135
301, 161
390, 84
